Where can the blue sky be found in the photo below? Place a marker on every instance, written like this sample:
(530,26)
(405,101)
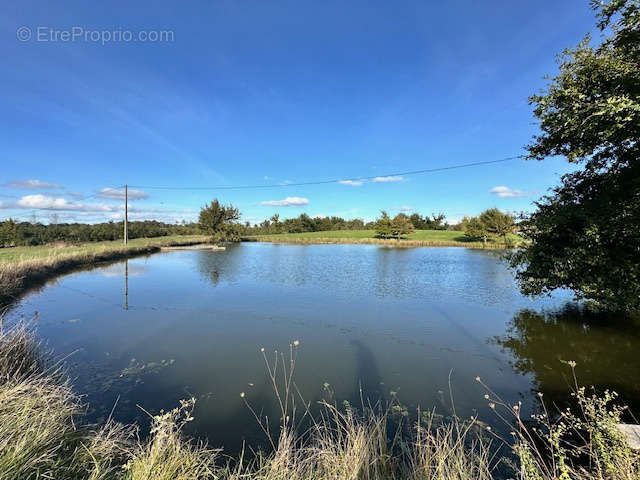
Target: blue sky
(272,92)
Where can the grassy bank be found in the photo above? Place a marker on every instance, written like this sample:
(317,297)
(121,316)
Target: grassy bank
(419,238)
(43,436)
(24,267)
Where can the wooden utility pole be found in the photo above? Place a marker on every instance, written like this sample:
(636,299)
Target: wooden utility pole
(126,213)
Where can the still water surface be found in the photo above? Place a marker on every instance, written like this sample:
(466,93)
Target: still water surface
(150,331)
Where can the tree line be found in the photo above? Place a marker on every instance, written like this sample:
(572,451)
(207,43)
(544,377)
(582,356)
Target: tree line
(15,234)
(304,223)
(222,222)
(491,223)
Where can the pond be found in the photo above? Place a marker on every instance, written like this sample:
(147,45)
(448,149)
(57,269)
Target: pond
(420,322)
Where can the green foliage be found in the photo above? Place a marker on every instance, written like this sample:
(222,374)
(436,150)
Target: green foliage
(491,222)
(383,225)
(306,224)
(475,228)
(16,234)
(302,224)
(386,227)
(401,225)
(497,223)
(436,222)
(585,235)
(220,221)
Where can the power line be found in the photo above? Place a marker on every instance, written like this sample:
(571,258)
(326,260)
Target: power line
(324,182)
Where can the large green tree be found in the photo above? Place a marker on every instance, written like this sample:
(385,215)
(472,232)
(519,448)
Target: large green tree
(220,221)
(383,226)
(475,228)
(497,223)
(401,225)
(585,235)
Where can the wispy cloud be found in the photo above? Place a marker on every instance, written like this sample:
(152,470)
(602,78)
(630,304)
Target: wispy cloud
(287,202)
(506,192)
(118,194)
(75,195)
(391,178)
(32,184)
(351,183)
(402,208)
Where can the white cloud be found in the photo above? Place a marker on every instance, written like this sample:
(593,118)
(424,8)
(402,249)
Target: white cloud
(391,178)
(287,202)
(42,201)
(45,202)
(506,192)
(118,194)
(34,184)
(351,183)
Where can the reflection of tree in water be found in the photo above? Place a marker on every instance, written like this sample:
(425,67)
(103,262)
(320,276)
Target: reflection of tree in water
(605,347)
(213,265)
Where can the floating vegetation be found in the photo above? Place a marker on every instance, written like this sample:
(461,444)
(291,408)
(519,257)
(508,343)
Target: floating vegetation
(137,368)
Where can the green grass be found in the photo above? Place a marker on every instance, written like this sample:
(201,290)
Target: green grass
(18,254)
(417,238)
(24,267)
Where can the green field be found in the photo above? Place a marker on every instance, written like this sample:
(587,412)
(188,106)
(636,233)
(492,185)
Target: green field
(417,238)
(38,252)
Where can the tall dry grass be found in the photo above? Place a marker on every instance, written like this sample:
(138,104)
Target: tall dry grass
(40,436)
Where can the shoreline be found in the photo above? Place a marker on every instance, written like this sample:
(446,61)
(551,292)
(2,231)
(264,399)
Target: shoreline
(18,277)
(402,243)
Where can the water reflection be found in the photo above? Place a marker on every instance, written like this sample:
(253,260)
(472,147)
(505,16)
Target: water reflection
(133,269)
(604,346)
(368,379)
(213,263)
(374,318)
